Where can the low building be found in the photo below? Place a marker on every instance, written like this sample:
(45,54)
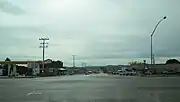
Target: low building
(51,67)
(115,68)
(1,70)
(93,69)
(156,68)
(35,67)
(76,70)
(61,71)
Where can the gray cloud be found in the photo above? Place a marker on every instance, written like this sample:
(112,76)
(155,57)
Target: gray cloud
(20,36)
(113,30)
(8,7)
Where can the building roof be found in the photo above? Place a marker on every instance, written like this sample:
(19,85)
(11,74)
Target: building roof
(48,61)
(19,62)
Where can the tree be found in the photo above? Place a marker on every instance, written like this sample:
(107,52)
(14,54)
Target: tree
(172,61)
(135,62)
(5,67)
(7,59)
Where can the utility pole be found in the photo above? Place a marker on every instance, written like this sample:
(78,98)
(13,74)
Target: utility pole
(153,59)
(43,45)
(74,60)
(83,64)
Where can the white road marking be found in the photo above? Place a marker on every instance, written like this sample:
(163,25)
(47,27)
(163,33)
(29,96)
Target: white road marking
(34,93)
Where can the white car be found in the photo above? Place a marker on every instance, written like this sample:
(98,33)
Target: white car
(120,72)
(127,73)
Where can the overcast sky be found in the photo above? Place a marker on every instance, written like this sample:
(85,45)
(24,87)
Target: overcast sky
(98,32)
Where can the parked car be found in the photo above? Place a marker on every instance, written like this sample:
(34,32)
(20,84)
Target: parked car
(126,73)
(121,72)
(114,72)
(71,73)
(148,73)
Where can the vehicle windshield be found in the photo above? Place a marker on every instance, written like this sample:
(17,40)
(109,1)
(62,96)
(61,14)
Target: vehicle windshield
(89,51)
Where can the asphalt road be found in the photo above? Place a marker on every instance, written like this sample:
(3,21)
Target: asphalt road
(91,88)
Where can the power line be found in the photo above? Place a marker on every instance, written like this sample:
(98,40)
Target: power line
(43,45)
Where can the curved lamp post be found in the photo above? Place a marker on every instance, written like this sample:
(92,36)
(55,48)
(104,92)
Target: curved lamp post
(153,34)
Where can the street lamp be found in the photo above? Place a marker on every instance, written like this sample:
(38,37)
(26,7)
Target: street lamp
(74,64)
(153,34)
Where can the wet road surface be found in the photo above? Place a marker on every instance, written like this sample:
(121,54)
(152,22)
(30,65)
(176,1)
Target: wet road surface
(91,88)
